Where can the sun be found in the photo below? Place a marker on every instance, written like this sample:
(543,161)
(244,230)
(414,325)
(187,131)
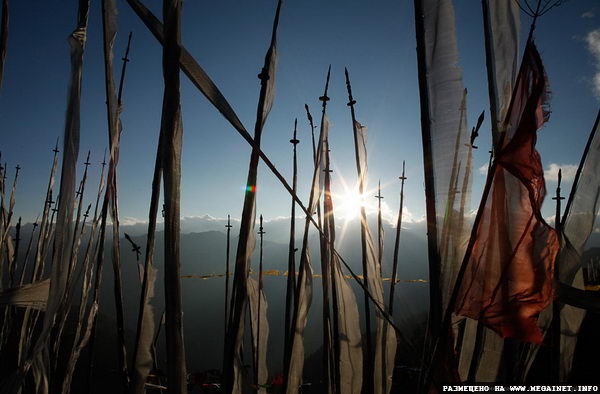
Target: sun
(347,205)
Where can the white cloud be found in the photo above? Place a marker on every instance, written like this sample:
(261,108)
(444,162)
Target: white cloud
(588,14)
(568,172)
(483,169)
(550,220)
(131,221)
(593,45)
(407,218)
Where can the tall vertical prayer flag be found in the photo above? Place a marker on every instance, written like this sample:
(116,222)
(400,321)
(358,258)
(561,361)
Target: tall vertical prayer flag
(233,364)
(303,296)
(509,272)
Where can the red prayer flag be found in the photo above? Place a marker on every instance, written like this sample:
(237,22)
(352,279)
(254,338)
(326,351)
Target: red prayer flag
(509,274)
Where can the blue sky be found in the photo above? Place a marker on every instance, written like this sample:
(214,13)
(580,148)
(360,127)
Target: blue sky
(375,40)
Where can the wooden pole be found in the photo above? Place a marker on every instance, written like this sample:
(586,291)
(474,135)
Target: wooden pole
(329,229)
(556,305)
(226,315)
(261,233)
(235,327)
(368,364)
(435,295)
(397,242)
(291,271)
(379,197)
(172,130)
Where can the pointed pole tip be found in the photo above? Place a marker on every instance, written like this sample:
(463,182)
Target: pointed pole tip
(559,176)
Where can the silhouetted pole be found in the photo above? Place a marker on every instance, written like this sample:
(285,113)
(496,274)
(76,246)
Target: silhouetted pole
(397,242)
(379,197)
(368,363)
(261,233)
(556,326)
(228,226)
(291,271)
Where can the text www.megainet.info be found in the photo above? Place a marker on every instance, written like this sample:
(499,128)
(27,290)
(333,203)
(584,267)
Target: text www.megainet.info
(517,388)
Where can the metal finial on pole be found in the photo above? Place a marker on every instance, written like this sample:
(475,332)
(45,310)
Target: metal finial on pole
(55,150)
(134,247)
(558,198)
(123,68)
(85,215)
(379,197)
(55,209)
(312,131)
(324,98)
(475,130)
(351,100)
(294,141)
(49,200)
(103,159)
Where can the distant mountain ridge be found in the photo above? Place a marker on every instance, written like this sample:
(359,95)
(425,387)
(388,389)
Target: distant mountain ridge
(204,253)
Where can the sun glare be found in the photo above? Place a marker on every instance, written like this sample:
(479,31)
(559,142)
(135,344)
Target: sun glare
(348,204)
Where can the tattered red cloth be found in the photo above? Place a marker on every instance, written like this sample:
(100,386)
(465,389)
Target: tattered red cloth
(509,274)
